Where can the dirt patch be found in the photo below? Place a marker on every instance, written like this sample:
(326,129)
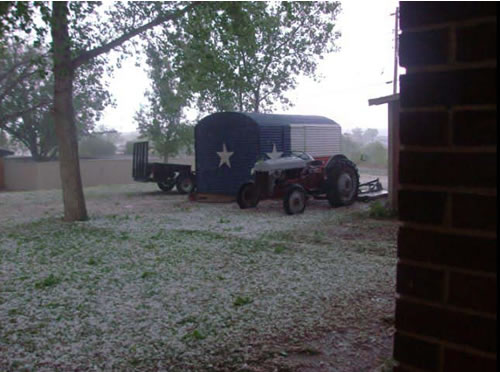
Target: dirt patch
(362,343)
(357,337)
(375,230)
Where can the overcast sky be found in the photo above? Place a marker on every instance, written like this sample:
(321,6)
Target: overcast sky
(358,72)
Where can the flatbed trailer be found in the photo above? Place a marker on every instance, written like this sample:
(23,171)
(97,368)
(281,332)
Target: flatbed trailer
(165,175)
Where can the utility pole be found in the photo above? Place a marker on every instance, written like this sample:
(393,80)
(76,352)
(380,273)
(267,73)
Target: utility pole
(396,47)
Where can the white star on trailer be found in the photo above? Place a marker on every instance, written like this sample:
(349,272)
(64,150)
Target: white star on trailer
(224,156)
(275,154)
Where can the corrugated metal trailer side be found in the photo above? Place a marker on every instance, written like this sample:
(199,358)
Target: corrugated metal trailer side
(318,140)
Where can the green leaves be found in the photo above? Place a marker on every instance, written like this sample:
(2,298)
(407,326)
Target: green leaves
(244,56)
(162,121)
(26,96)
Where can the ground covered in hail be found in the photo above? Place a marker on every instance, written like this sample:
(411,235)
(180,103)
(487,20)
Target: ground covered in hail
(155,282)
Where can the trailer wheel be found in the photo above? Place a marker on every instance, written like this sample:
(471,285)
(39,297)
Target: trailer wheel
(294,201)
(248,196)
(185,183)
(166,185)
(342,183)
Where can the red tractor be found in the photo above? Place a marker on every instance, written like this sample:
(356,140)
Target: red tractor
(298,177)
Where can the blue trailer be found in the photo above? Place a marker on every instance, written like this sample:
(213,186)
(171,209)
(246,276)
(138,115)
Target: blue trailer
(228,144)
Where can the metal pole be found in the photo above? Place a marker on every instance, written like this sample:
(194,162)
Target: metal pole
(396,45)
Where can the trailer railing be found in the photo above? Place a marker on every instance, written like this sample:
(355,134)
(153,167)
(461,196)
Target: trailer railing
(140,161)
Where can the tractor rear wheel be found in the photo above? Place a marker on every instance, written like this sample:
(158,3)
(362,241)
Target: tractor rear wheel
(185,183)
(342,183)
(248,196)
(294,201)
(166,185)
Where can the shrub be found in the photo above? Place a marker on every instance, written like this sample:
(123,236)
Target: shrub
(376,153)
(380,210)
(129,147)
(96,146)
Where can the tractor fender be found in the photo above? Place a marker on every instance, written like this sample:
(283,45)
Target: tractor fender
(333,159)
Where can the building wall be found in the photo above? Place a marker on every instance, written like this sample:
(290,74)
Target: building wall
(447,268)
(22,174)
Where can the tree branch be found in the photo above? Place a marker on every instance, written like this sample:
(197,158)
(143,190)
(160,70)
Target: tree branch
(88,55)
(14,115)
(271,54)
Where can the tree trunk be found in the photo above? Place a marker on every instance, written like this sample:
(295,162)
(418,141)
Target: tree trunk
(35,155)
(256,103)
(64,119)
(165,153)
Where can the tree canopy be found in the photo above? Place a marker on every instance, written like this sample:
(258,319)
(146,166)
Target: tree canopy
(26,97)
(162,119)
(245,56)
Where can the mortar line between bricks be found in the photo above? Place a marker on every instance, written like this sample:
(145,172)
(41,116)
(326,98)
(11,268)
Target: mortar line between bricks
(410,368)
(455,190)
(450,129)
(452,56)
(450,149)
(446,284)
(454,231)
(474,108)
(434,108)
(448,211)
(437,26)
(441,267)
(449,345)
(443,108)
(452,67)
(447,307)
(441,358)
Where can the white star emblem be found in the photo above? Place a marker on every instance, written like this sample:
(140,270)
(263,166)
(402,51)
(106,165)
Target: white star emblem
(224,156)
(275,154)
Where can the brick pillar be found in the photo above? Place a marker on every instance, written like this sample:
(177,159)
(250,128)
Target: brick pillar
(447,272)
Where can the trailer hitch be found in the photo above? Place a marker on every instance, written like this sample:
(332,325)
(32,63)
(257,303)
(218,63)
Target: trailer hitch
(371,190)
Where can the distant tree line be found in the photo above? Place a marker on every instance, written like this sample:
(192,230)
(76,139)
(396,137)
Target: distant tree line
(363,147)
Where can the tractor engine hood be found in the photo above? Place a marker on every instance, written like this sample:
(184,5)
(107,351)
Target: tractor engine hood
(289,162)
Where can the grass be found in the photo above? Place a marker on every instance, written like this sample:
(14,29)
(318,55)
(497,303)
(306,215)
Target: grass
(49,281)
(380,210)
(147,274)
(139,289)
(242,301)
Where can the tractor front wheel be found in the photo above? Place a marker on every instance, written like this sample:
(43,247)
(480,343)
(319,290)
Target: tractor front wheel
(166,185)
(343,183)
(248,196)
(294,201)
(185,183)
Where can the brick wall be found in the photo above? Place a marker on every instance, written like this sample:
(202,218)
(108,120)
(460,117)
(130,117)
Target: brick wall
(447,269)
